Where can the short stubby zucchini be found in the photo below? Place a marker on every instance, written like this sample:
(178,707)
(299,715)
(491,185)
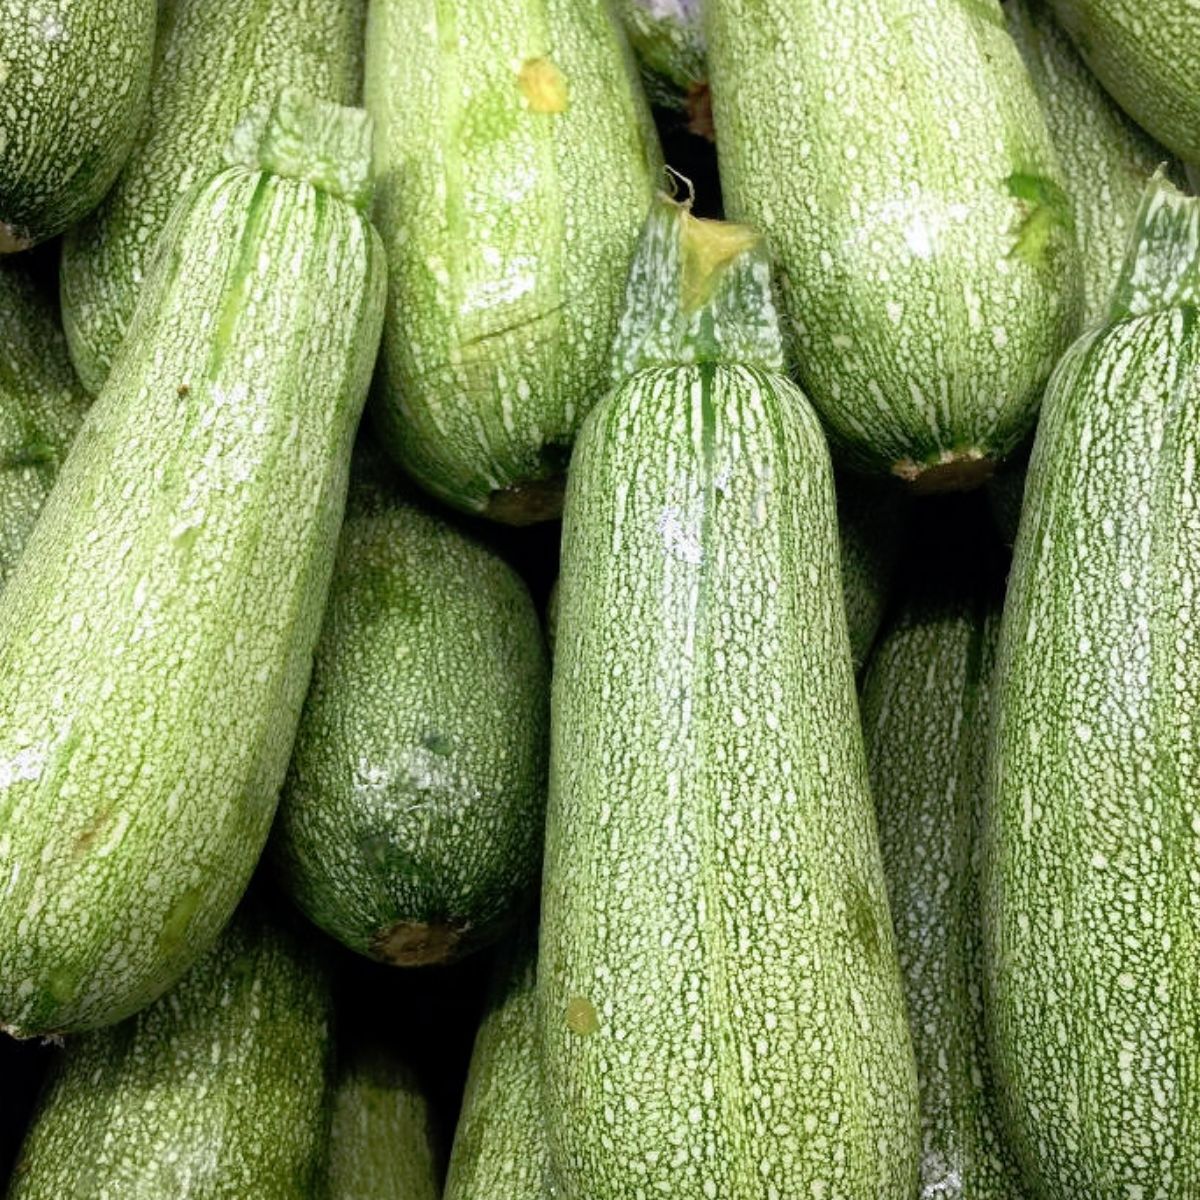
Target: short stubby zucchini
(410,825)
(1147,55)
(1091,890)
(215,60)
(516,160)
(74,75)
(156,638)
(720,1003)
(215,1092)
(925,712)
(41,402)
(913,199)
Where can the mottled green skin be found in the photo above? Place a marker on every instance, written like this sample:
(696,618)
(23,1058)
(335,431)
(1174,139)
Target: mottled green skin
(1147,55)
(913,200)
(668,40)
(73,81)
(215,1092)
(156,637)
(1106,159)
(500,1150)
(720,1005)
(410,826)
(509,233)
(214,60)
(925,711)
(871,524)
(381,1141)
(41,405)
(1090,883)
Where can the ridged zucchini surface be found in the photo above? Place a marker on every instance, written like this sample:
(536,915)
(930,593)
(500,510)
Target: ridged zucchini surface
(41,403)
(913,199)
(73,81)
(217,1091)
(215,60)
(720,1004)
(156,637)
(410,825)
(1090,884)
(925,711)
(500,1147)
(516,160)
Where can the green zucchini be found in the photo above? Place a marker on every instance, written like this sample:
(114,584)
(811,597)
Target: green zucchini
(73,81)
(1146,53)
(215,60)
(913,198)
(1106,158)
(720,1003)
(516,160)
(1090,887)
(156,637)
(667,38)
(381,1142)
(410,825)
(41,404)
(216,1092)
(925,711)
(500,1145)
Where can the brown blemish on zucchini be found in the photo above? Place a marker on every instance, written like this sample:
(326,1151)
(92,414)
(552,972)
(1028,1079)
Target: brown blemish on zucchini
(951,471)
(528,503)
(12,240)
(417,943)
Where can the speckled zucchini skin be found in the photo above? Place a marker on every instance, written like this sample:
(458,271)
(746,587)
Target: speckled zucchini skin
(41,404)
(1106,158)
(156,637)
(925,713)
(667,38)
(720,1005)
(381,1140)
(516,161)
(410,825)
(500,1145)
(1147,55)
(216,1092)
(1090,884)
(215,59)
(913,199)
(73,81)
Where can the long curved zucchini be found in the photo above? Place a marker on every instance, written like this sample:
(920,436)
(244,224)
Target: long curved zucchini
(925,712)
(74,75)
(1090,882)
(156,637)
(912,195)
(720,1002)
(215,1092)
(500,1147)
(1106,159)
(516,160)
(410,825)
(215,60)
(1147,55)
(41,404)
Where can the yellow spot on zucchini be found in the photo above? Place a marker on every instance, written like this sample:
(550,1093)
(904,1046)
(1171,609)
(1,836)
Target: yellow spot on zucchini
(581,1016)
(544,86)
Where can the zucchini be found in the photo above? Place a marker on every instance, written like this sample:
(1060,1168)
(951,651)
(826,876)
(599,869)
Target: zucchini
(516,159)
(1106,158)
(925,711)
(215,1092)
(73,82)
(381,1140)
(1146,53)
(500,1145)
(667,38)
(157,635)
(1089,875)
(719,996)
(410,825)
(927,264)
(41,403)
(215,60)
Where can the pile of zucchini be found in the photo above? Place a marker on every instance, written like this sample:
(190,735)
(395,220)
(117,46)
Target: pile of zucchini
(599,600)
